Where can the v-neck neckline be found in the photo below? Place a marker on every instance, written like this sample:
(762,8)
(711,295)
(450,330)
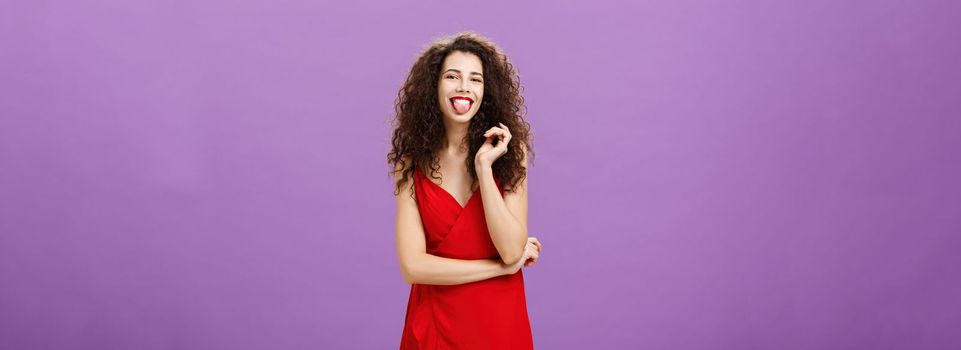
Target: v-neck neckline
(469,198)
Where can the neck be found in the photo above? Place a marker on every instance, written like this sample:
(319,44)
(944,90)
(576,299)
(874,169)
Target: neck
(455,137)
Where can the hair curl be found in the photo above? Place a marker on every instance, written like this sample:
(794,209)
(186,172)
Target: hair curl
(418,125)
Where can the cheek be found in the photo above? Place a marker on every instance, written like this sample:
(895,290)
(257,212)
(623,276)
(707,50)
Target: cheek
(446,89)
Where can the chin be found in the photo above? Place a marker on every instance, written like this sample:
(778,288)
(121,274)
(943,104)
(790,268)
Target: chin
(457,118)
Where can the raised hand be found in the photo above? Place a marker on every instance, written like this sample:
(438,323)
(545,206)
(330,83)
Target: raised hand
(488,153)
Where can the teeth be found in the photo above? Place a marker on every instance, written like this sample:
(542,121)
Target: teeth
(461,102)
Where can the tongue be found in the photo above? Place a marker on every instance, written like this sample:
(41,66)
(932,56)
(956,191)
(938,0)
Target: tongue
(462,106)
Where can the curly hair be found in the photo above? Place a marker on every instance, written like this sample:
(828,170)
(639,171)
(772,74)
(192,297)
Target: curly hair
(418,124)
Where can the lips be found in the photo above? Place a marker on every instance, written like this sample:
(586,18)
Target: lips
(461,104)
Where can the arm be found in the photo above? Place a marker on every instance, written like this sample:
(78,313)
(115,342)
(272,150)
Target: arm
(417,266)
(506,215)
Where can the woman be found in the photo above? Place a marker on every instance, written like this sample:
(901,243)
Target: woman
(460,156)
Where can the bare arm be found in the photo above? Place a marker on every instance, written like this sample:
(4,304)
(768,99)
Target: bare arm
(419,267)
(506,215)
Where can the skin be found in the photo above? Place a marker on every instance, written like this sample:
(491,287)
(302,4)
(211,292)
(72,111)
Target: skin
(462,75)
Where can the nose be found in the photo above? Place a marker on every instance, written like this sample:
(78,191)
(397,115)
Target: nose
(463,85)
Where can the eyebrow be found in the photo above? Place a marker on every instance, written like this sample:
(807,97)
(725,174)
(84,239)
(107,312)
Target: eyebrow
(452,69)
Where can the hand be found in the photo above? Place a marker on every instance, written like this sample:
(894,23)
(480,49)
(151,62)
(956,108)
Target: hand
(537,244)
(488,153)
(529,257)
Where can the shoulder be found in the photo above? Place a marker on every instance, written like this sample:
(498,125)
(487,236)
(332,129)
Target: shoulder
(404,175)
(524,156)
(523,172)
(401,166)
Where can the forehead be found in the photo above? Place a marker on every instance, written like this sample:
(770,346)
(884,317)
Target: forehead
(463,61)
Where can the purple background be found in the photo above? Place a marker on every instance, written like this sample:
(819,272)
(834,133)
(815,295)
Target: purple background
(709,175)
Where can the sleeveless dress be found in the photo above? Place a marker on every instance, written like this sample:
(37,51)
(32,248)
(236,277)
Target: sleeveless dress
(486,314)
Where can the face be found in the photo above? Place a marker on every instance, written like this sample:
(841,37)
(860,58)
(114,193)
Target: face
(461,86)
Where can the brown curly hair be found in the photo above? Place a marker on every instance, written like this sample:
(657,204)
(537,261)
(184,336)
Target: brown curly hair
(418,124)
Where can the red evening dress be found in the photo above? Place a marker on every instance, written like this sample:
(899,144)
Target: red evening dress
(487,314)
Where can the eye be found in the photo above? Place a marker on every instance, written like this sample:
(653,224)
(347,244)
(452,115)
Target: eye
(478,80)
(451,77)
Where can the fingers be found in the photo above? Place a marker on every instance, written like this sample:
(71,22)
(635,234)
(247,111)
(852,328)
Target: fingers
(532,259)
(488,141)
(502,131)
(507,134)
(495,131)
(535,242)
(533,248)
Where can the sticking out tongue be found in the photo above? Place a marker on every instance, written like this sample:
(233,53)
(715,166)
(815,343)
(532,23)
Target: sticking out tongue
(461,105)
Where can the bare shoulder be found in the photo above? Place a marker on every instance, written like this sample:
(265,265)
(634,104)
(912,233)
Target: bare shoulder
(398,172)
(408,226)
(522,184)
(401,165)
(516,200)
(405,195)
(524,156)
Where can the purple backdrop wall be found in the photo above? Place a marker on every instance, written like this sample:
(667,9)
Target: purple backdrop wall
(709,175)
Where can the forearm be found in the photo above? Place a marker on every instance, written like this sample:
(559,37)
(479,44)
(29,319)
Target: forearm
(507,233)
(432,269)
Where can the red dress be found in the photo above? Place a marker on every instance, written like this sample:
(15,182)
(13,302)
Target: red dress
(487,314)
